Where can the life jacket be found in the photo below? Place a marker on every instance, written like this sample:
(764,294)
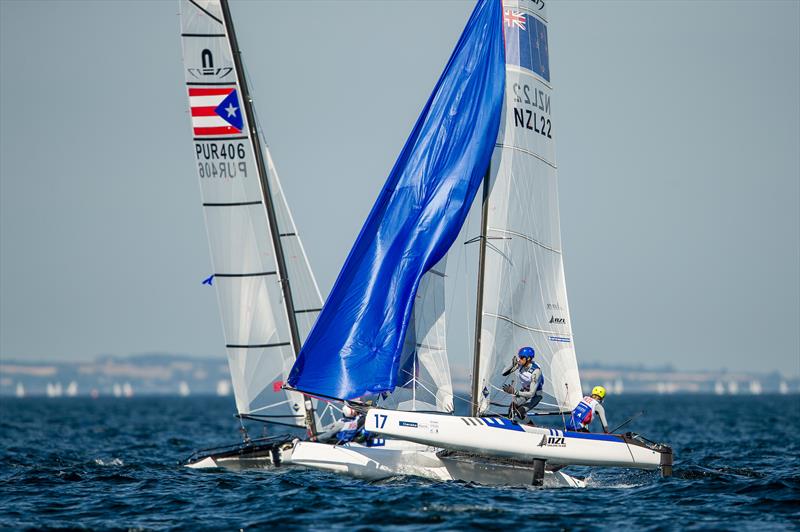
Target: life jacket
(349,430)
(582,415)
(526,376)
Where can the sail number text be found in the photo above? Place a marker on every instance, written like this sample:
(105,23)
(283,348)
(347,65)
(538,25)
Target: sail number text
(533,109)
(221,159)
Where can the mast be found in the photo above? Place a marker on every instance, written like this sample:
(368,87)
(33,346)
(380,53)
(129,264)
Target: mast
(280,259)
(476,357)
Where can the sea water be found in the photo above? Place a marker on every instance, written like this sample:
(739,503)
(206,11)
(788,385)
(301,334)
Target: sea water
(113,464)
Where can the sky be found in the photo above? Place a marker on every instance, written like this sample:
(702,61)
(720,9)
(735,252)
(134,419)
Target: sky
(677,141)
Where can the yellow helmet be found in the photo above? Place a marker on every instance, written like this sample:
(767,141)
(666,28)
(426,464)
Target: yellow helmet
(599,391)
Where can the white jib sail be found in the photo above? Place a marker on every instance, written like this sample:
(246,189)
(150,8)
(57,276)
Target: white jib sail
(525,297)
(423,380)
(305,291)
(254,316)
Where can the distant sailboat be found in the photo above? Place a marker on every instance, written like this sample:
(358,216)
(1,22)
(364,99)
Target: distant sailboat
(20,390)
(183,389)
(72,389)
(223,388)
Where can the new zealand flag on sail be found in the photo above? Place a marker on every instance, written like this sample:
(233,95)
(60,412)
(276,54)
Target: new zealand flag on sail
(526,42)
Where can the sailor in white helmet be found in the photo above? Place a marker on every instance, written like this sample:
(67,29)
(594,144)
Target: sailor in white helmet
(583,414)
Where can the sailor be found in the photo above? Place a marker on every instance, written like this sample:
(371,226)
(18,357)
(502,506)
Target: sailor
(584,413)
(352,425)
(348,428)
(531,381)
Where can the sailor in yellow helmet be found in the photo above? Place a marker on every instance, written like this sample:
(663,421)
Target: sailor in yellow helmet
(585,412)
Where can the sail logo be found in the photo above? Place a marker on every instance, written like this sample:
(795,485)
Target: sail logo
(208,69)
(216,111)
(557,321)
(526,43)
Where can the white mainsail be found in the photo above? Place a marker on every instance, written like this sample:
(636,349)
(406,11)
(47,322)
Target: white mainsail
(255,313)
(524,299)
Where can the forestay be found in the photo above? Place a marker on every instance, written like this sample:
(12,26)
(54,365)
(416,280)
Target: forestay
(251,303)
(524,301)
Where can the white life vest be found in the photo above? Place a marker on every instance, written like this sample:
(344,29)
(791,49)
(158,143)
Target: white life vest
(526,377)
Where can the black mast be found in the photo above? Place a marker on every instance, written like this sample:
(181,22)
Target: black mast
(267,196)
(476,360)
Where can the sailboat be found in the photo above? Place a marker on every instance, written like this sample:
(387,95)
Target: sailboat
(488,122)
(267,295)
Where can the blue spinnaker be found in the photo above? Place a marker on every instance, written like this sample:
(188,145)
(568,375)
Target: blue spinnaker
(355,346)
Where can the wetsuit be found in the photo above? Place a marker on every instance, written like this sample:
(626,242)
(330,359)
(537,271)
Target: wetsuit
(584,413)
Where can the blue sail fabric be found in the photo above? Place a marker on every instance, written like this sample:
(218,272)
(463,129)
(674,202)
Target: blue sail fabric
(355,346)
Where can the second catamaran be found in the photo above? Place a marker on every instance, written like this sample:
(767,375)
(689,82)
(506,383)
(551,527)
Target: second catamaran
(268,298)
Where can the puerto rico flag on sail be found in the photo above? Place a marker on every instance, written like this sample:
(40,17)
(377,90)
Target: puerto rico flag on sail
(216,111)
(526,42)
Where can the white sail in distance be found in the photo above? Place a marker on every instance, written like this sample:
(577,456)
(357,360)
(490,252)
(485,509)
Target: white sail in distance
(524,298)
(252,305)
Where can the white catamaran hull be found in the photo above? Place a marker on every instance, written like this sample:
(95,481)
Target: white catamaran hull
(390,458)
(254,455)
(500,437)
(397,457)
(393,458)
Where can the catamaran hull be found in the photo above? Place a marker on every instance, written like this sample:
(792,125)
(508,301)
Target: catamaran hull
(500,437)
(371,463)
(397,458)
(244,456)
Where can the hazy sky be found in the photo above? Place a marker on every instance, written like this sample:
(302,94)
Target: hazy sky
(677,130)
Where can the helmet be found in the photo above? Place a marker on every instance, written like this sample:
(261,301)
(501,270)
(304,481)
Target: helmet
(526,352)
(348,412)
(599,391)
